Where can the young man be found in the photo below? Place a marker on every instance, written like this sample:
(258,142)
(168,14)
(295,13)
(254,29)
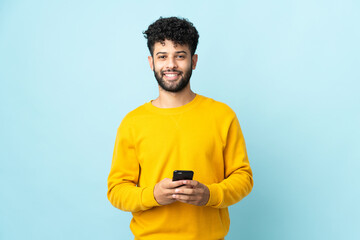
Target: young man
(179,130)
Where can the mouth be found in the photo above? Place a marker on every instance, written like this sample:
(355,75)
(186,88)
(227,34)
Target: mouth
(171,76)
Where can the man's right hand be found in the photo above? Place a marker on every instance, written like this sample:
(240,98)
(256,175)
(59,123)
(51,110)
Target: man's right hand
(164,190)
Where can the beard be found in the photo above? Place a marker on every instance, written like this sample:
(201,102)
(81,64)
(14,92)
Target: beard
(173,86)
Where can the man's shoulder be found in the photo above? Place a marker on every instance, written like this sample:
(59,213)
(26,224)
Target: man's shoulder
(217,107)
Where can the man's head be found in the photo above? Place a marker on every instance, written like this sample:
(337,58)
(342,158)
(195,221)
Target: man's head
(178,30)
(172,43)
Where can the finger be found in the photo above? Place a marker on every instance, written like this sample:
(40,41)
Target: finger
(185,191)
(184,187)
(192,183)
(190,199)
(193,202)
(176,184)
(183,198)
(168,192)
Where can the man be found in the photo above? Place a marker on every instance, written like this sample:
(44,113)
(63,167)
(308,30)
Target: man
(179,130)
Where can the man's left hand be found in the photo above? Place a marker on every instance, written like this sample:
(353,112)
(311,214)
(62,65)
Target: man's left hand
(193,192)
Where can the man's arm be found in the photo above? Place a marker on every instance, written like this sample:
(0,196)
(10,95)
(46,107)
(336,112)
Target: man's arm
(123,192)
(238,180)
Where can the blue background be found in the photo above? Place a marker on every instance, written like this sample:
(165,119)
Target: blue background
(71,70)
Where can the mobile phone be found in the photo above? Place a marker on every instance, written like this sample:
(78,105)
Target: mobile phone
(182,175)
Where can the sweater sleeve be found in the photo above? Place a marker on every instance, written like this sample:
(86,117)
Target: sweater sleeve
(238,180)
(123,192)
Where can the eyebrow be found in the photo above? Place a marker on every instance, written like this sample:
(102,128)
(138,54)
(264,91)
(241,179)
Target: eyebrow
(175,52)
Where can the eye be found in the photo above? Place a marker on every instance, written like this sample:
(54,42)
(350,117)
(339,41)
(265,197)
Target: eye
(161,57)
(181,56)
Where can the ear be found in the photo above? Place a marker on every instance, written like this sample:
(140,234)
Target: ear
(151,62)
(194,60)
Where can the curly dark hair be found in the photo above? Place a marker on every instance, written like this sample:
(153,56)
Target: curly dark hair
(179,30)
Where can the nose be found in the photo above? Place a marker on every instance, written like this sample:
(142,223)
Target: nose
(171,63)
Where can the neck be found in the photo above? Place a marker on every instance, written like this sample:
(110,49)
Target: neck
(172,100)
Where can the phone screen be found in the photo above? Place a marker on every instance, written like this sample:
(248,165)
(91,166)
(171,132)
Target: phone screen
(182,175)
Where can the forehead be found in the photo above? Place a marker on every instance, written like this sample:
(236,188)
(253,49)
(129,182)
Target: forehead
(169,46)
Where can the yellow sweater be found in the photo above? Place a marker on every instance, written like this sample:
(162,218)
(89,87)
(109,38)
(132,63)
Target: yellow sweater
(204,136)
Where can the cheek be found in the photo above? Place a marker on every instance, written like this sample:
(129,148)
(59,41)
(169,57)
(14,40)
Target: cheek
(158,66)
(190,66)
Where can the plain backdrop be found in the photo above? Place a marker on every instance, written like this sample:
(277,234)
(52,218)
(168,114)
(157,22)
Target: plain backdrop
(71,70)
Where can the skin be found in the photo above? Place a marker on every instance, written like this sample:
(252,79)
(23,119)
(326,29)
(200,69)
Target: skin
(175,59)
(166,192)
(168,56)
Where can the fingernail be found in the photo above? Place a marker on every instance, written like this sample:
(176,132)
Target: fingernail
(177,190)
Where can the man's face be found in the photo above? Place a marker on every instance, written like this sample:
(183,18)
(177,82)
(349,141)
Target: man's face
(172,65)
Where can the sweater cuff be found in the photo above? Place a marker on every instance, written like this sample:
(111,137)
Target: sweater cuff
(148,199)
(215,198)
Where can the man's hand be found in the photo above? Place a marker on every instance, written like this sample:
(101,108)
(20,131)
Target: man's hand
(164,191)
(194,193)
